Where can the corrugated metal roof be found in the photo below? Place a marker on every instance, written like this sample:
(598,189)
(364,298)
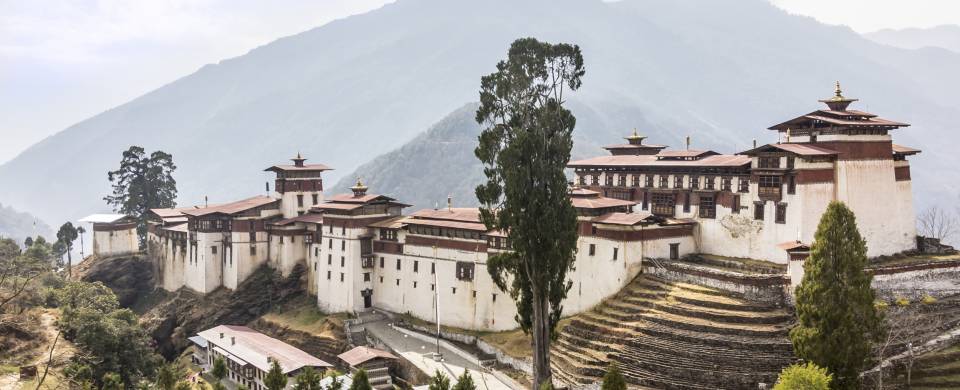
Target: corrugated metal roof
(466,214)
(628,219)
(797,148)
(257,348)
(104,218)
(363,354)
(305,167)
(599,202)
(232,207)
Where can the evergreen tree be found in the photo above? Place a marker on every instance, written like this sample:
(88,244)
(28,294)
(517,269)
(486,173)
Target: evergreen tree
(360,381)
(838,322)
(28,242)
(335,383)
(142,183)
(465,382)
(613,379)
(275,379)
(67,235)
(308,379)
(219,369)
(439,381)
(525,149)
(167,377)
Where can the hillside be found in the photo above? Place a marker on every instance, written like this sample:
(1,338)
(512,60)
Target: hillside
(366,85)
(945,37)
(20,225)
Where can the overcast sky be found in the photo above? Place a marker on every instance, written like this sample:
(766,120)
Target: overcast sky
(62,61)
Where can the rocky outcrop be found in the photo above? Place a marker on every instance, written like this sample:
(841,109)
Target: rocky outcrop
(185,313)
(130,277)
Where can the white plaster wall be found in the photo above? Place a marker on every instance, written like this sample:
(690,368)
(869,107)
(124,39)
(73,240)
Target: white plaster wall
(115,242)
(205,274)
(288,202)
(869,188)
(795,271)
(334,295)
(173,265)
(284,256)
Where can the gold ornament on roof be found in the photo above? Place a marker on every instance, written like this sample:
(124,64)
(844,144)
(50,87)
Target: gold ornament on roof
(837,93)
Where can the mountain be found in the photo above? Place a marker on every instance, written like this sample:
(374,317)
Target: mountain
(20,225)
(351,90)
(945,36)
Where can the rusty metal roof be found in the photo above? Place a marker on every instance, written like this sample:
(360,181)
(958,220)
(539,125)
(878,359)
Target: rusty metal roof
(392,223)
(465,214)
(685,153)
(232,207)
(599,202)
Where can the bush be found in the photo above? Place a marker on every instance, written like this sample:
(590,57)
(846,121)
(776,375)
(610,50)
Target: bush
(902,302)
(803,377)
(613,379)
(928,300)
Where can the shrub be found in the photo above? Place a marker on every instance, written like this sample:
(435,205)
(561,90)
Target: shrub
(803,377)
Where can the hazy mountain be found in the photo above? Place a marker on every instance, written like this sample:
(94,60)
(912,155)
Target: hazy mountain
(945,37)
(20,225)
(351,90)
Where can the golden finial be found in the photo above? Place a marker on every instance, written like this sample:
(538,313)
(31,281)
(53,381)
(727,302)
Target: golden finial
(299,156)
(359,183)
(838,94)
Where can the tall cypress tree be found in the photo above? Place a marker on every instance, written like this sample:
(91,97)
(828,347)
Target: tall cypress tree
(838,322)
(525,148)
(142,183)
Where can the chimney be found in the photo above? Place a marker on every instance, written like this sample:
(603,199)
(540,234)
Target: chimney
(221,335)
(206,201)
(449,202)
(754,143)
(233,340)
(688,142)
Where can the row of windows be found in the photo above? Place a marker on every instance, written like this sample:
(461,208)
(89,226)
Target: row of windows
(315,199)
(780,214)
(445,232)
(693,182)
(674,251)
(464,271)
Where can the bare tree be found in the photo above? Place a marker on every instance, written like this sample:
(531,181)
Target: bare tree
(905,325)
(938,223)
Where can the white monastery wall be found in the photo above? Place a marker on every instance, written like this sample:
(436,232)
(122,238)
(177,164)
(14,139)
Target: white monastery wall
(869,188)
(115,242)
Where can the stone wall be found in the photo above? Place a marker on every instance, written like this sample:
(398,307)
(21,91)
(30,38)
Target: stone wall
(913,281)
(764,288)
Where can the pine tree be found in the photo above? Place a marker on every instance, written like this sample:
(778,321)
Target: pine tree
(465,382)
(142,183)
(837,320)
(439,381)
(525,149)
(275,379)
(613,379)
(167,376)
(360,381)
(67,235)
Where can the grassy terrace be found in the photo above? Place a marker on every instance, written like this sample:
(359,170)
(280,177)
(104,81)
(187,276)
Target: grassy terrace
(909,259)
(737,264)
(302,314)
(514,343)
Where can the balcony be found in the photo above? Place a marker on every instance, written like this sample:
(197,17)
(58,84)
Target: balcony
(366,262)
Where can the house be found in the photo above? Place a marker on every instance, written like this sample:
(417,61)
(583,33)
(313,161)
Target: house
(375,362)
(113,234)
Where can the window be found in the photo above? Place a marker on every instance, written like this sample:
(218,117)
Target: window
(316,252)
(331,228)
(316,198)
(769,162)
(758,211)
(293,239)
(329,259)
(622,180)
(686,202)
(726,184)
(381,262)
(664,181)
(474,293)
(678,181)
(388,234)
(791,184)
(615,250)
(593,249)
(708,207)
(494,297)
(594,179)
(281,239)
(582,180)
(454,289)
(343,230)
(366,276)
(314,266)
(694,182)
(645,204)
(341,276)
(330,244)
(663,204)
(735,207)
(465,270)
(343,245)
(433,287)
(299,200)
(608,178)
(674,251)
(414,284)
(381,279)
(398,264)
(416,266)
(253,250)
(328,275)
(743,184)
(790,162)
(343,261)
(398,282)
(648,180)
(636,180)
(710,183)
(213,249)
(781,216)
(769,185)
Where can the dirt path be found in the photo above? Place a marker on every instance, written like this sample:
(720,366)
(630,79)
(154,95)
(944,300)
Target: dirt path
(62,353)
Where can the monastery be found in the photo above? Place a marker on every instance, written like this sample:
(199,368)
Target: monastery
(642,202)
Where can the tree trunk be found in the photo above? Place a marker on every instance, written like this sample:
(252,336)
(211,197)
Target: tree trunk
(69,263)
(541,339)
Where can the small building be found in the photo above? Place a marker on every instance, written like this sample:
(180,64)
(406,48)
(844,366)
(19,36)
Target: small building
(113,234)
(250,354)
(375,362)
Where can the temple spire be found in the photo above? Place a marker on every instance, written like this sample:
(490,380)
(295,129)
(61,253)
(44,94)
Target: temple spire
(298,161)
(635,138)
(359,189)
(838,102)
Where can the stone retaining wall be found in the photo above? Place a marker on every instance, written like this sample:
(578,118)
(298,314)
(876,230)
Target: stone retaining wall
(914,281)
(757,287)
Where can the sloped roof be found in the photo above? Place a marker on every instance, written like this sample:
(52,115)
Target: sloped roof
(627,219)
(599,202)
(720,160)
(685,153)
(256,348)
(793,245)
(305,218)
(900,149)
(466,214)
(232,207)
(305,167)
(104,218)
(392,223)
(848,118)
(801,149)
(363,354)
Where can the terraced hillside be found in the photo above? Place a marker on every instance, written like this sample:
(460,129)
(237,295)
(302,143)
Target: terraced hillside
(938,370)
(669,335)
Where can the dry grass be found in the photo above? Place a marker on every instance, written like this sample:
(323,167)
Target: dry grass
(303,315)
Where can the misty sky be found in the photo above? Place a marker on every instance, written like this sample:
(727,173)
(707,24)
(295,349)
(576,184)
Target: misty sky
(62,61)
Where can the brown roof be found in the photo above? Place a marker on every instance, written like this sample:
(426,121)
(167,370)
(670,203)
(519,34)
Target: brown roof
(350,198)
(900,149)
(634,146)
(305,218)
(257,348)
(801,149)
(721,160)
(360,355)
(305,167)
(685,153)
(792,245)
(583,192)
(392,223)
(465,214)
(232,207)
(447,224)
(337,206)
(628,219)
(850,118)
(599,202)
